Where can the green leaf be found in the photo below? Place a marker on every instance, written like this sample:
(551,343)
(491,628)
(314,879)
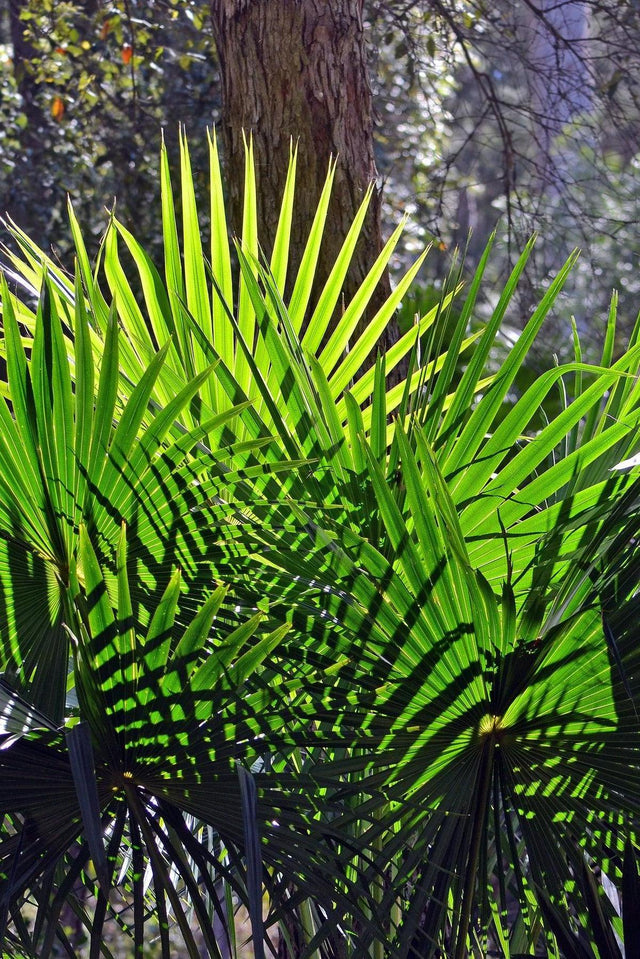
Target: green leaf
(157,643)
(78,740)
(630,900)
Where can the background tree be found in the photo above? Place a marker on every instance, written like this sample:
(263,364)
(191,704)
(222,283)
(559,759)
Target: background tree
(298,72)
(485,148)
(84,104)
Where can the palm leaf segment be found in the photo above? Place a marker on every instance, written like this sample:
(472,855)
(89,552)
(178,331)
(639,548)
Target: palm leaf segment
(496,738)
(166,720)
(480,645)
(65,463)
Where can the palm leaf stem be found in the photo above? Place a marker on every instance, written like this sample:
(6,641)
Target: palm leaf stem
(477,835)
(161,878)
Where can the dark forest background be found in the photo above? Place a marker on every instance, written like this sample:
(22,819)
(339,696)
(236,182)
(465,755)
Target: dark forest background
(518,117)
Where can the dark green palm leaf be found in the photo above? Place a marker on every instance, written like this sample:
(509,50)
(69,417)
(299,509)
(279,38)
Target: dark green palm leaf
(169,719)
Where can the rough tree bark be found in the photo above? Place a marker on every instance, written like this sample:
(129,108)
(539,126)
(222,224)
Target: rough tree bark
(298,69)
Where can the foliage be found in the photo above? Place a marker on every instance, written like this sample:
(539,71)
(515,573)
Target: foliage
(98,83)
(512,118)
(607,240)
(408,612)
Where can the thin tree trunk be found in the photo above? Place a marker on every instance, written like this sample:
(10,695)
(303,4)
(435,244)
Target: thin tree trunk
(561,87)
(297,70)
(22,54)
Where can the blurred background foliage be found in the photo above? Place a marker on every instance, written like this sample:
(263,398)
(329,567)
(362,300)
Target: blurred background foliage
(517,117)
(87,88)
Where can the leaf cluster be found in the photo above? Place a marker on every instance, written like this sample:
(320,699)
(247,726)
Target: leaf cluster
(272,626)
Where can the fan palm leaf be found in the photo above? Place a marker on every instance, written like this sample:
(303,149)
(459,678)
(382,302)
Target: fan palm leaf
(68,458)
(164,722)
(453,572)
(488,742)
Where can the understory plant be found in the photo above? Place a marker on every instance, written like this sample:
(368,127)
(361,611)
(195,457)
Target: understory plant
(350,654)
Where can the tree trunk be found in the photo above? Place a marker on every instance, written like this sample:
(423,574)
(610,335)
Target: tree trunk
(297,70)
(561,87)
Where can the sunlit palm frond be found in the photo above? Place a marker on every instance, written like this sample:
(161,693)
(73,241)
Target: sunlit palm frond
(423,641)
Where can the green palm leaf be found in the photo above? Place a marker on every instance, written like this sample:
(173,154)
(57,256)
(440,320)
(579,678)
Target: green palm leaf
(68,458)
(424,633)
(478,731)
(169,720)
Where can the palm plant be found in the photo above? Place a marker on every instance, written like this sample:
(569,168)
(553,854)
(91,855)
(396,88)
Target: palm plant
(434,586)
(146,663)
(160,747)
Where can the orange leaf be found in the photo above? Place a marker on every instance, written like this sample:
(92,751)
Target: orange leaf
(127,52)
(105,29)
(61,51)
(57,108)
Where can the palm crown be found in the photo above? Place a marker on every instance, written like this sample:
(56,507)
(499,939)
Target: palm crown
(271,622)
